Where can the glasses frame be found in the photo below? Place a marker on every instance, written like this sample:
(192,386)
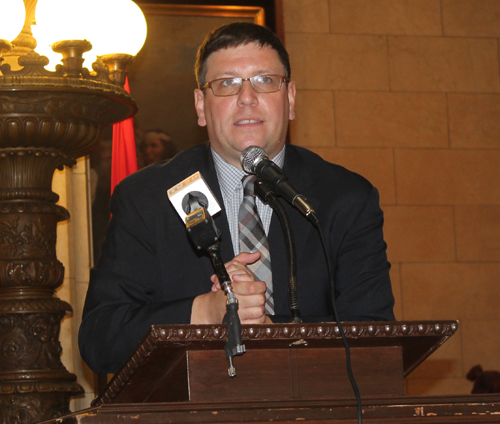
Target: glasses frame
(282,79)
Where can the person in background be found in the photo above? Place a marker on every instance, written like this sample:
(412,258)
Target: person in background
(157,145)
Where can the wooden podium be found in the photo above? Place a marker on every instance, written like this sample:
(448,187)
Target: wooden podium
(290,372)
(180,363)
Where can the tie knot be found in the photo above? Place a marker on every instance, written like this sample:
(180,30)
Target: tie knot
(248,182)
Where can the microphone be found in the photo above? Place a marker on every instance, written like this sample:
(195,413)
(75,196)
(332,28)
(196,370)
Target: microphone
(254,160)
(205,235)
(199,223)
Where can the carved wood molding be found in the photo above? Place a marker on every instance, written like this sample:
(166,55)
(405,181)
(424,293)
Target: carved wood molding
(61,382)
(49,305)
(17,408)
(47,274)
(257,13)
(322,330)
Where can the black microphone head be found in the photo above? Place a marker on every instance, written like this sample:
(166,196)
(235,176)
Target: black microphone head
(250,157)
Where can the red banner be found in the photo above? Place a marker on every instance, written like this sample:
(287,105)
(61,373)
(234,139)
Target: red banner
(124,157)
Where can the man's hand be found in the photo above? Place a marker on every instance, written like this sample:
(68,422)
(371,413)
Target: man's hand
(209,308)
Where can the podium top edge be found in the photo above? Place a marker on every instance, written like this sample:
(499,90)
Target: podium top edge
(378,329)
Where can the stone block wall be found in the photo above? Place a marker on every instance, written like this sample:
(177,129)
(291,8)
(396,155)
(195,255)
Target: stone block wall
(407,93)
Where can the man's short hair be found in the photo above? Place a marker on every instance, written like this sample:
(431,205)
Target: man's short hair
(234,35)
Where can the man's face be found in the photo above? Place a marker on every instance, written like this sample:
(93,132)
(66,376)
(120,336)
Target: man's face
(247,118)
(152,148)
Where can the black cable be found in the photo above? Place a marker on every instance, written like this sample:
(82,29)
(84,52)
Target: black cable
(266,194)
(350,374)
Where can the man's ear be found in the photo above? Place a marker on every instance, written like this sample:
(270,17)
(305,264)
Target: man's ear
(199,105)
(291,100)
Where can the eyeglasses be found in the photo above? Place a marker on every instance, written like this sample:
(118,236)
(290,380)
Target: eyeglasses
(223,87)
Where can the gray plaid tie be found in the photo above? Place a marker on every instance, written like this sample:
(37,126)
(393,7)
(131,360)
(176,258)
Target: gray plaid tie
(253,238)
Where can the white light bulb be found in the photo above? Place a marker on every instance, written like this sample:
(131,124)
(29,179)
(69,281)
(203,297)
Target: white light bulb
(59,20)
(123,31)
(13,17)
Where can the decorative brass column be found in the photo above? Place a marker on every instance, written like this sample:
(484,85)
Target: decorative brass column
(47,120)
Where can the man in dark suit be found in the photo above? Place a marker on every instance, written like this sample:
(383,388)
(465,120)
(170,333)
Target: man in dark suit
(149,272)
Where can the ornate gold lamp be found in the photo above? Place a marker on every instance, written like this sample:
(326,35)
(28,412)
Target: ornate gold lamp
(47,120)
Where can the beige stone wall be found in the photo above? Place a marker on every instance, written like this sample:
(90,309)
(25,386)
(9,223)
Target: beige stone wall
(406,92)
(73,251)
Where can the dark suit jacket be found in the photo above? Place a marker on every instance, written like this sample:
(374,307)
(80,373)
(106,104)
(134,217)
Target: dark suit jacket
(149,272)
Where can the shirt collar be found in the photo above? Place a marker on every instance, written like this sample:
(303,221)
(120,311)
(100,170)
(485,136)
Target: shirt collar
(230,177)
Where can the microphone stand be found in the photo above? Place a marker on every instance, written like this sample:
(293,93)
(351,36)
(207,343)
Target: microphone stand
(266,194)
(234,345)
(205,235)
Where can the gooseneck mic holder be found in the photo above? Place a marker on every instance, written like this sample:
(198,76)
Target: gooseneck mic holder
(266,194)
(205,236)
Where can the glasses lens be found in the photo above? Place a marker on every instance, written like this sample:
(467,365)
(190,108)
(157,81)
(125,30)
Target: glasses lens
(226,87)
(266,83)
(232,86)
